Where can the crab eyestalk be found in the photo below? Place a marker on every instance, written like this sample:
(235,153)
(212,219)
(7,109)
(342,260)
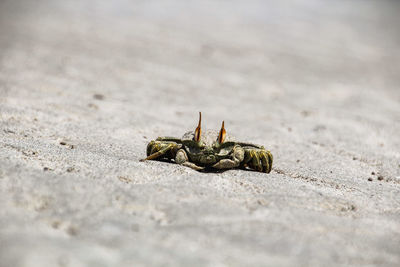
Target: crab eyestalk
(222,134)
(197,132)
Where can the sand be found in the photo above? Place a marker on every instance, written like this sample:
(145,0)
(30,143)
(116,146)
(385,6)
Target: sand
(85,85)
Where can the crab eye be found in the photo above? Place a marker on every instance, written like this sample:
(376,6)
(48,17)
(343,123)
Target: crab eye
(197,132)
(222,134)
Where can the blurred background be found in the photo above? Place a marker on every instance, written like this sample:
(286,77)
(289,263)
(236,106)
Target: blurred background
(85,85)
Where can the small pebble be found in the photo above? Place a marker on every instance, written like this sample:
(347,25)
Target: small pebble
(94,106)
(98,96)
(72,230)
(55,224)
(373,173)
(380,177)
(370,179)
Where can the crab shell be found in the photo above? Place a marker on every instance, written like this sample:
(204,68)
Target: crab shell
(208,151)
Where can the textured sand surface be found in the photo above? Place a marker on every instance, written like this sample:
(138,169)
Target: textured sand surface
(85,85)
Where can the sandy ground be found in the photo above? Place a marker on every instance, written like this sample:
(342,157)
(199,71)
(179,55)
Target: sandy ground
(84,86)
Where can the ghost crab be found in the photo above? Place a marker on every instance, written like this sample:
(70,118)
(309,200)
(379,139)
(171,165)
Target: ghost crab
(210,149)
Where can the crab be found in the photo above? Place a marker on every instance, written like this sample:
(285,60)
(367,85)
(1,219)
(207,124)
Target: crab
(210,150)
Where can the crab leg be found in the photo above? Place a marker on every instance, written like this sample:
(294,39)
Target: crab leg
(270,160)
(169,139)
(192,165)
(258,159)
(265,163)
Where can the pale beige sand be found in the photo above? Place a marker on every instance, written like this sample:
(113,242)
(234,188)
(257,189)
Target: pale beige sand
(84,85)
